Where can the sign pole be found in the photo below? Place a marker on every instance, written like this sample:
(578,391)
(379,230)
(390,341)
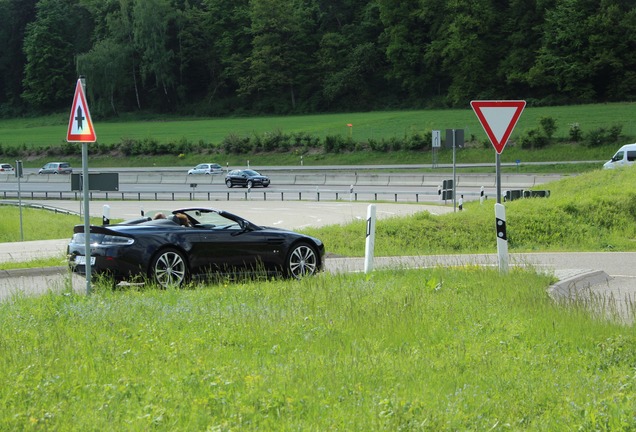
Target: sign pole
(80,129)
(87,218)
(18,174)
(498,177)
(498,118)
(454,176)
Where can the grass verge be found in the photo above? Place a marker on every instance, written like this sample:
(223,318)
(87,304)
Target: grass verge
(395,350)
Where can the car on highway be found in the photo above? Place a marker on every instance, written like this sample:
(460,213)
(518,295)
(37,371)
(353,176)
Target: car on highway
(206,168)
(193,242)
(246,178)
(6,168)
(56,168)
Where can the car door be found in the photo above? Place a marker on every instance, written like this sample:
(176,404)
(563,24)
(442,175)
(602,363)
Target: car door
(229,249)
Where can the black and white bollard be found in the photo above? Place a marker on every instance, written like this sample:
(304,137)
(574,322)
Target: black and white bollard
(106,215)
(502,238)
(370,240)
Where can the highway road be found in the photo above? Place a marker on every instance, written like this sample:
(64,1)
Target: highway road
(399,184)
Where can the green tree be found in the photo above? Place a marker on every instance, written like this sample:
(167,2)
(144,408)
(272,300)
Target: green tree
(51,44)
(352,63)
(563,60)
(14,16)
(214,42)
(281,65)
(151,21)
(411,31)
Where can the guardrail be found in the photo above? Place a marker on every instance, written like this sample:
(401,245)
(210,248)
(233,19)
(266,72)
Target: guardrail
(244,194)
(317,179)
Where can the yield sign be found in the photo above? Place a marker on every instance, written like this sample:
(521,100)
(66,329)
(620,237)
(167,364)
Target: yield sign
(80,125)
(498,119)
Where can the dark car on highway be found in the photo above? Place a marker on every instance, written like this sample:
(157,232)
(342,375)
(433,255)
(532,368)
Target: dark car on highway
(246,178)
(191,242)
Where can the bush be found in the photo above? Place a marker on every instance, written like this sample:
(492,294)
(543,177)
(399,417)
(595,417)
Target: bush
(576,134)
(602,136)
(233,144)
(548,124)
(534,139)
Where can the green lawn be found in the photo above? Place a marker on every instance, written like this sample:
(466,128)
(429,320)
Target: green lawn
(442,349)
(51,130)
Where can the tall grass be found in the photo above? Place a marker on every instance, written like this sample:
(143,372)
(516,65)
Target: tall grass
(594,211)
(395,350)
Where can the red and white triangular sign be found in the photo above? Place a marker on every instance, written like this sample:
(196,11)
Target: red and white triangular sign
(498,119)
(80,125)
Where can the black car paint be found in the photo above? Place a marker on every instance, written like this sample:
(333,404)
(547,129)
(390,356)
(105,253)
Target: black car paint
(244,248)
(244,177)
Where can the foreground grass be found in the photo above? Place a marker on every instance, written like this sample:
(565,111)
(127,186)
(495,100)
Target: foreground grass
(395,350)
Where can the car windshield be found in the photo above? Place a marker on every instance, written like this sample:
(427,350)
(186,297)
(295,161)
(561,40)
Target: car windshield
(209,218)
(251,172)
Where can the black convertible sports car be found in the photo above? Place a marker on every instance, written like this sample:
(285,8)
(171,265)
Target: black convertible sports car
(193,242)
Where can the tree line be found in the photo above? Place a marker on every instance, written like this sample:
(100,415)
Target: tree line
(233,57)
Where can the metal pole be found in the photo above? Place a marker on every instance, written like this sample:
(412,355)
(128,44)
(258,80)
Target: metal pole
(454,175)
(18,165)
(498,176)
(87,219)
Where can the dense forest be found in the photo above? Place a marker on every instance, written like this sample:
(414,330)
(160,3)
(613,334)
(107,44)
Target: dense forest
(235,57)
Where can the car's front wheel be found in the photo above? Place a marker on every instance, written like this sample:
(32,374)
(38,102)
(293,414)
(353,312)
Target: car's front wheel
(250,184)
(228,183)
(301,261)
(169,268)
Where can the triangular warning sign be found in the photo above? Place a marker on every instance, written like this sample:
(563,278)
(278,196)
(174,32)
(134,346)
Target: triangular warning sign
(80,125)
(498,119)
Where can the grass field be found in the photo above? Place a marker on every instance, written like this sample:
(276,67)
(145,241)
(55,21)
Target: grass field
(51,130)
(464,349)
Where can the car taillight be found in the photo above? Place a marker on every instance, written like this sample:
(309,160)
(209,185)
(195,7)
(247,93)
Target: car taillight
(103,239)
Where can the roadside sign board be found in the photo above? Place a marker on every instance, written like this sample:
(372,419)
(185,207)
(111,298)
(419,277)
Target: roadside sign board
(498,118)
(80,125)
(437,138)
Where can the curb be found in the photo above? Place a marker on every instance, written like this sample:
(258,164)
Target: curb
(566,287)
(40,271)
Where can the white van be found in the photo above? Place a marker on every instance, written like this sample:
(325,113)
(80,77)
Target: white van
(625,156)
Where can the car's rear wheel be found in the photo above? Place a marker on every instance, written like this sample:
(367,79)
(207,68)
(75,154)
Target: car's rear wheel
(169,268)
(228,183)
(301,261)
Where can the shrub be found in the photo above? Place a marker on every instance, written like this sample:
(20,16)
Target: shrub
(534,139)
(602,136)
(575,132)
(548,124)
(233,144)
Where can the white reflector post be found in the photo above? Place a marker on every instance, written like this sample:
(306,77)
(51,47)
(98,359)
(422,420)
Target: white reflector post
(106,215)
(370,241)
(502,237)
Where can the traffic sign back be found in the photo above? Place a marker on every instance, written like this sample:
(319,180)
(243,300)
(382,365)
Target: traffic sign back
(498,118)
